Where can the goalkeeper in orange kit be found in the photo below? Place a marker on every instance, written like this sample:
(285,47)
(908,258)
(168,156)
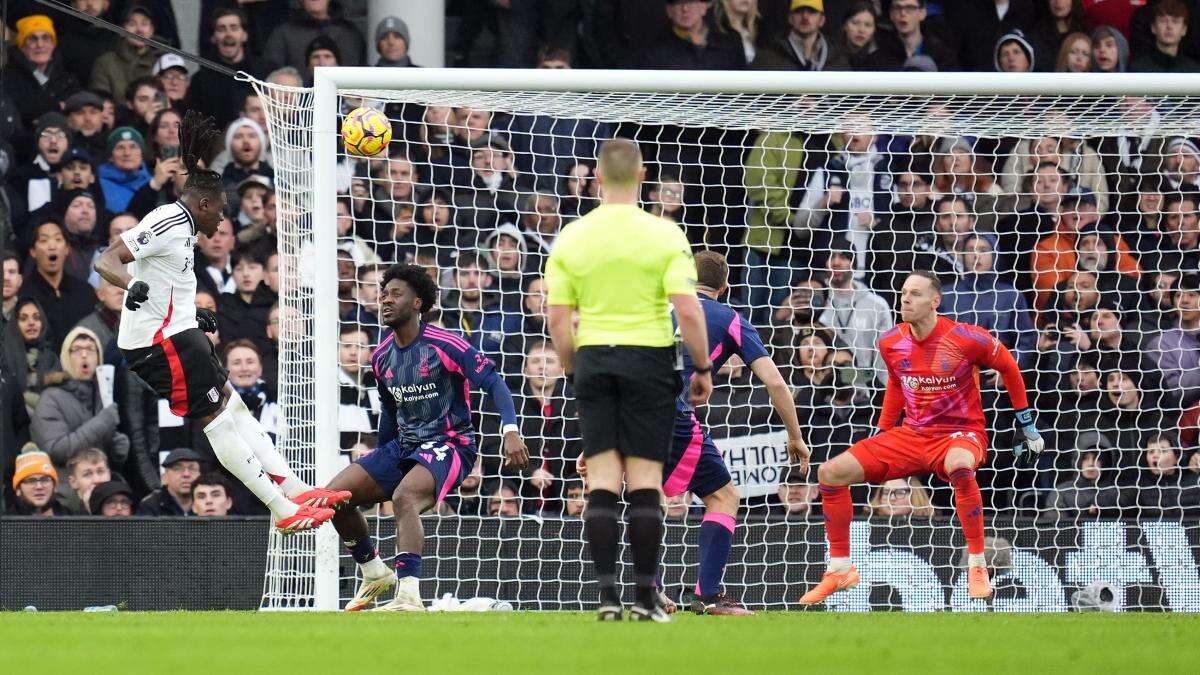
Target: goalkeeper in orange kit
(933,376)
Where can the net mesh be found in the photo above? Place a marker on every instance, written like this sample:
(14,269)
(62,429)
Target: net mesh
(1061,224)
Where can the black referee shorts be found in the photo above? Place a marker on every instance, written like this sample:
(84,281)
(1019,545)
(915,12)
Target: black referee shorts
(626,400)
(185,370)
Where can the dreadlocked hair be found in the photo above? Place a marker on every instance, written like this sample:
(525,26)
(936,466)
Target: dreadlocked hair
(198,137)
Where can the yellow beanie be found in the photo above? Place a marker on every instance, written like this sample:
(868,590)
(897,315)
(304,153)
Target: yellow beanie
(26,26)
(31,464)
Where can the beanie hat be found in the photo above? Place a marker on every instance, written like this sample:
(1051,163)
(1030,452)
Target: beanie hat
(1018,36)
(391,24)
(245,122)
(35,463)
(51,120)
(323,42)
(105,491)
(125,134)
(26,27)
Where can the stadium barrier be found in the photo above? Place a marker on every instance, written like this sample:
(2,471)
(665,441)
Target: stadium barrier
(162,564)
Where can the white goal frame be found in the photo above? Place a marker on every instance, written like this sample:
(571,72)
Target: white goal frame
(330,82)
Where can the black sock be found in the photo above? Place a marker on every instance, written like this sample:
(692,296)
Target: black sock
(645,538)
(600,526)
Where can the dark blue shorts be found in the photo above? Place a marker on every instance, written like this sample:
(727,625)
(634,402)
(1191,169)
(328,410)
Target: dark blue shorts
(449,464)
(695,464)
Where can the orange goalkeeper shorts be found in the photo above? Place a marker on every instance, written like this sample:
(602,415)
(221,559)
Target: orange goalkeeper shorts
(900,452)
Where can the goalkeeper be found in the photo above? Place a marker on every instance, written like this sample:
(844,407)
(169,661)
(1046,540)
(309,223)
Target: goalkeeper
(695,464)
(933,376)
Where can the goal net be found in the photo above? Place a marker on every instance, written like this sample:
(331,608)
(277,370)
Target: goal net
(1060,213)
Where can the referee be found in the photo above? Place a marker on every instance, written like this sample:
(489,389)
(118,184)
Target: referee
(618,266)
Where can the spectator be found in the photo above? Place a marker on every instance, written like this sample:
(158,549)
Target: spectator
(1055,256)
(34,182)
(145,97)
(1158,314)
(740,18)
(1164,489)
(831,410)
(125,171)
(979,297)
(70,413)
(247,143)
(504,502)
(1017,52)
(172,73)
(1117,348)
(1099,252)
(1169,24)
(1075,55)
(181,468)
(1180,244)
(1130,408)
(366,294)
(77,173)
(83,109)
(243,313)
(359,249)
(137,406)
(86,469)
(1081,496)
(289,41)
(773,169)
(467,500)
(36,79)
(1133,160)
(33,484)
(131,58)
(83,40)
(797,498)
(693,42)
(86,225)
(117,225)
(321,52)
(804,47)
(911,38)
(891,253)
(574,497)
(1110,50)
(391,41)
(216,94)
(795,319)
(541,221)
(37,358)
(473,309)
(104,321)
(11,285)
(549,419)
(980,24)
(938,251)
(63,298)
(491,198)
(359,411)
(504,252)
(957,170)
(1058,20)
(212,496)
(111,499)
(214,270)
(859,39)
(900,498)
(1181,164)
(1176,351)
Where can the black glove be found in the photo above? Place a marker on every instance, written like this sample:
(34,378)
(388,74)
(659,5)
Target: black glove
(206,319)
(137,293)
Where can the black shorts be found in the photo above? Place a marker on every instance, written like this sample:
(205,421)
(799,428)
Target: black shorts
(185,370)
(627,400)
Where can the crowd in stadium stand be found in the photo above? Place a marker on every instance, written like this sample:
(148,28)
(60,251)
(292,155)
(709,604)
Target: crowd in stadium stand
(1081,255)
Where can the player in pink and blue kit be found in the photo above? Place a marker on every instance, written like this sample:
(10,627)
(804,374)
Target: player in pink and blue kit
(695,464)
(426,437)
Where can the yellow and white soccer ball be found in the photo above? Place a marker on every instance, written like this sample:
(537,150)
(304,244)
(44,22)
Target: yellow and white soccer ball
(366,132)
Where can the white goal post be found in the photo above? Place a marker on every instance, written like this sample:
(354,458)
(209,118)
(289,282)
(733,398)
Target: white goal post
(1150,555)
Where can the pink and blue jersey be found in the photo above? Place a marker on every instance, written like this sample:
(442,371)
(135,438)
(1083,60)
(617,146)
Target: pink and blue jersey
(425,388)
(729,333)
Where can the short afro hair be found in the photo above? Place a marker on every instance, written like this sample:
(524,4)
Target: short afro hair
(417,280)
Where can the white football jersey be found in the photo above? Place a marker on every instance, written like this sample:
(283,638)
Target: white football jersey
(163,248)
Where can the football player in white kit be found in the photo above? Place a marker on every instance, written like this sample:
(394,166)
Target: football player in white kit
(161,337)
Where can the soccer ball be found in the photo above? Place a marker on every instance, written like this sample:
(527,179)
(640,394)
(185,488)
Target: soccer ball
(366,132)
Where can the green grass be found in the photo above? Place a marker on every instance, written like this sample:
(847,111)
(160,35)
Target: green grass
(179,643)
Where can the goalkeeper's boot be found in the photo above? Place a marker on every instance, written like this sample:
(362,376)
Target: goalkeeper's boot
(323,498)
(408,597)
(305,518)
(369,590)
(720,604)
(654,613)
(979,586)
(831,583)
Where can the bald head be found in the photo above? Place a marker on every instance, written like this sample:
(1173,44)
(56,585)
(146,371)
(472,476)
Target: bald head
(620,164)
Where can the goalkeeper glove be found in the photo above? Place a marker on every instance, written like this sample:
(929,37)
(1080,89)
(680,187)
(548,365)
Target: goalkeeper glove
(206,319)
(136,293)
(1028,450)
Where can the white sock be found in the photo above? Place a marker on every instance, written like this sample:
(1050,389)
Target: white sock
(976,560)
(375,568)
(236,456)
(255,436)
(838,564)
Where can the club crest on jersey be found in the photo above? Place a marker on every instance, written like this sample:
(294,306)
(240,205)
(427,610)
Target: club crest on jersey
(145,237)
(905,364)
(214,395)
(422,369)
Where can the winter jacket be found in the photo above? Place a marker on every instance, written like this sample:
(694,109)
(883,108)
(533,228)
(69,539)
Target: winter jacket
(220,96)
(785,53)
(289,41)
(63,307)
(774,168)
(509,285)
(69,417)
(1083,166)
(1075,498)
(79,43)
(987,302)
(120,186)
(32,97)
(484,328)
(115,69)
(891,49)
(1176,353)
(481,209)
(546,146)
(978,27)
(238,318)
(1054,260)
(859,318)
(1157,61)
(722,51)
(161,503)
(103,322)
(138,406)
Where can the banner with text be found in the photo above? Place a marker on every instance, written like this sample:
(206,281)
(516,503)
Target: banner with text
(755,462)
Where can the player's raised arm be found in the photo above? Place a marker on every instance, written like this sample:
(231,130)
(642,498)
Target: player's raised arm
(781,399)
(999,358)
(111,267)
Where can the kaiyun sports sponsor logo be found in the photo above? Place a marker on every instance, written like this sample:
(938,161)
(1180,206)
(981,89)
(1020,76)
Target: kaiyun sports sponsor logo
(929,382)
(414,392)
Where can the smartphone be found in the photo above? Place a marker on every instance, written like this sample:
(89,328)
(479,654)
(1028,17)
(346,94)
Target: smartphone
(168,152)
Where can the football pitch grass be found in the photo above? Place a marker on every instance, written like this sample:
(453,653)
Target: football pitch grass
(180,643)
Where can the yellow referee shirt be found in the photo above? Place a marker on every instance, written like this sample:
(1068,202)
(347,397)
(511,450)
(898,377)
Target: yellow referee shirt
(617,265)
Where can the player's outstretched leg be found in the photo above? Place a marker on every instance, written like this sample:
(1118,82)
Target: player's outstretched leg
(414,495)
(255,436)
(960,467)
(716,539)
(835,478)
(377,578)
(236,456)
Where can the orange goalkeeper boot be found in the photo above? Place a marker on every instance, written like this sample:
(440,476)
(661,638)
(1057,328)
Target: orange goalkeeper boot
(830,584)
(305,518)
(323,498)
(979,586)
